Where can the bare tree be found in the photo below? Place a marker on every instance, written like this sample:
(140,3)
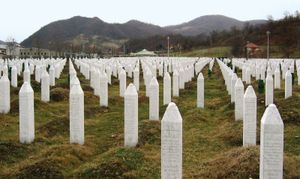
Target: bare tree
(11,46)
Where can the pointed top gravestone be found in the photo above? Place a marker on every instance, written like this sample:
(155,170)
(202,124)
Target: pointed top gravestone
(4,94)
(175,84)
(167,89)
(288,84)
(26,74)
(26,113)
(200,91)
(233,81)
(76,114)
(269,91)
(171,143)
(239,97)
(131,116)
(154,99)
(122,78)
(131,90)
(14,76)
(45,86)
(103,89)
(136,78)
(277,78)
(249,117)
(271,144)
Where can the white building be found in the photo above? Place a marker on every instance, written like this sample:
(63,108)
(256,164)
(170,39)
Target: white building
(2,50)
(6,51)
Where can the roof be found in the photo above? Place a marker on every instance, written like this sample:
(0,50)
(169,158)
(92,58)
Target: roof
(251,45)
(143,52)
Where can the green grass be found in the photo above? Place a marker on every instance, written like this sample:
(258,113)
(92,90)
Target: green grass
(206,52)
(225,51)
(212,140)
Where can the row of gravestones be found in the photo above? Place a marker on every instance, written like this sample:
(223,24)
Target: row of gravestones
(270,71)
(14,68)
(272,127)
(171,126)
(10,70)
(271,162)
(26,93)
(172,122)
(101,71)
(258,67)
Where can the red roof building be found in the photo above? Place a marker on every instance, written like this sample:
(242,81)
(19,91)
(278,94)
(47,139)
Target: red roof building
(251,45)
(252,49)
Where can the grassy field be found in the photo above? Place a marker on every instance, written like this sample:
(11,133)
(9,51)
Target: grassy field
(275,52)
(212,140)
(206,52)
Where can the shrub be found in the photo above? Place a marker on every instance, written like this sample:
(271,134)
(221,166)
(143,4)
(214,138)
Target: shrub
(209,73)
(261,86)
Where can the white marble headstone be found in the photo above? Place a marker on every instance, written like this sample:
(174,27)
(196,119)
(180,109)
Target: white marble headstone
(200,91)
(26,113)
(269,94)
(288,84)
(103,90)
(171,143)
(239,97)
(277,78)
(52,75)
(167,89)
(249,117)
(136,78)
(4,94)
(122,79)
(14,76)
(76,114)
(233,81)
(271,144)
(154,99)
(131,116)
(45,86)
(175,84)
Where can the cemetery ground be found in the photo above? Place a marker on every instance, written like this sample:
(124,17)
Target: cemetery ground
(212,139)
(225,51)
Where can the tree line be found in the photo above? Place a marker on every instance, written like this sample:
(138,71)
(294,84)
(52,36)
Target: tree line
(284,38)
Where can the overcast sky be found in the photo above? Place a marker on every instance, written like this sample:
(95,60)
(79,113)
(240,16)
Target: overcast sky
(21,18)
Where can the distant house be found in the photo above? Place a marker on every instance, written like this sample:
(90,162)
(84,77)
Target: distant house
(2,50)
(252,49)
(7,51)
(36,52)
(144,52)
(13,52)
(251,46)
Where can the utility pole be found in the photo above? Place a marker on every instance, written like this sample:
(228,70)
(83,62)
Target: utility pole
(168,46)
(268,44)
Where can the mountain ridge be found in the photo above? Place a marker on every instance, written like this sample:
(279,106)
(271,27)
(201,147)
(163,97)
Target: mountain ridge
(203,25)
(86,30)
